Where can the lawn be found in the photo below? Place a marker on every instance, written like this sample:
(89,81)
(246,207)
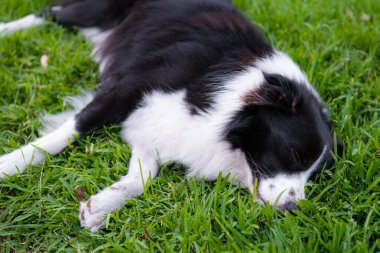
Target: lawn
(337,45)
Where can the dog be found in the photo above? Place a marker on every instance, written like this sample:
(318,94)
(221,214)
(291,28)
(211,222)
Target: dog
(193,82)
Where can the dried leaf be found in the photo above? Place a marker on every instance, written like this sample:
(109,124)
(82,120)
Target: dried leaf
(147,235)
(79,192)
(44,60)
(365,17)
(350,14)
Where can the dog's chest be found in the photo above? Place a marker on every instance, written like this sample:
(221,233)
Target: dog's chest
(165,126)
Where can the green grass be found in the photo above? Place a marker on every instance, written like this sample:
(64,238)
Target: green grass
(335,45)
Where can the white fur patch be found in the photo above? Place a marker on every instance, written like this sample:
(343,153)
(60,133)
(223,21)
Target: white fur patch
(20,24)
(281,64)
(56,8)
(289,186)
(98,39)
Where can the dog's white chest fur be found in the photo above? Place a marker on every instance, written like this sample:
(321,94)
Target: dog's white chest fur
(165,125)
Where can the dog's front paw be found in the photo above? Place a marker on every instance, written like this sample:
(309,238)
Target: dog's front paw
(91,215)
(93,212)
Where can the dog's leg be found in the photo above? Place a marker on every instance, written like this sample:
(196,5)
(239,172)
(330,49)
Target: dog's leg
(35,152)
(143,165)
(58,131)
(20,24)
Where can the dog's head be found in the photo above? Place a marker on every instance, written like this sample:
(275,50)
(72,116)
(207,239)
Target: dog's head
(285,133)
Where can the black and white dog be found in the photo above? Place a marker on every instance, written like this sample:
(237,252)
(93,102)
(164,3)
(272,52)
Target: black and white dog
(190,81)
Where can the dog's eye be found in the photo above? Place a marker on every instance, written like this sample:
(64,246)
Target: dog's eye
(296,156)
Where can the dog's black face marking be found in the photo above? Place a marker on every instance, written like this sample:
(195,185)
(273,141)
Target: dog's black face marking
(282,129)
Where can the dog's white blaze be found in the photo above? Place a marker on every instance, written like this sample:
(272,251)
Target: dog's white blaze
(20,24)
(33,153)
(289,186)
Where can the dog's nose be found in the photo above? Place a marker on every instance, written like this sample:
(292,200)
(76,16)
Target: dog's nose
(288,206)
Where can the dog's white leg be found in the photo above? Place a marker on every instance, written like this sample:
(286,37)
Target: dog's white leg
(20,24)
(59,130)
(34,153)
(143,165)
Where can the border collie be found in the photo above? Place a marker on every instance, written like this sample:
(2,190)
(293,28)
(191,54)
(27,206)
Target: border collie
(189,81)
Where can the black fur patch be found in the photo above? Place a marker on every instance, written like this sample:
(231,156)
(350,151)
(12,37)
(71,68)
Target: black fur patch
(165,45)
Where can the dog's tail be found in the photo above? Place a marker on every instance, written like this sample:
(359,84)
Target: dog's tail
(59,132)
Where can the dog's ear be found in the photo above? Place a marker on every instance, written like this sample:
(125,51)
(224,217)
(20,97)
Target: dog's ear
(277,91)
